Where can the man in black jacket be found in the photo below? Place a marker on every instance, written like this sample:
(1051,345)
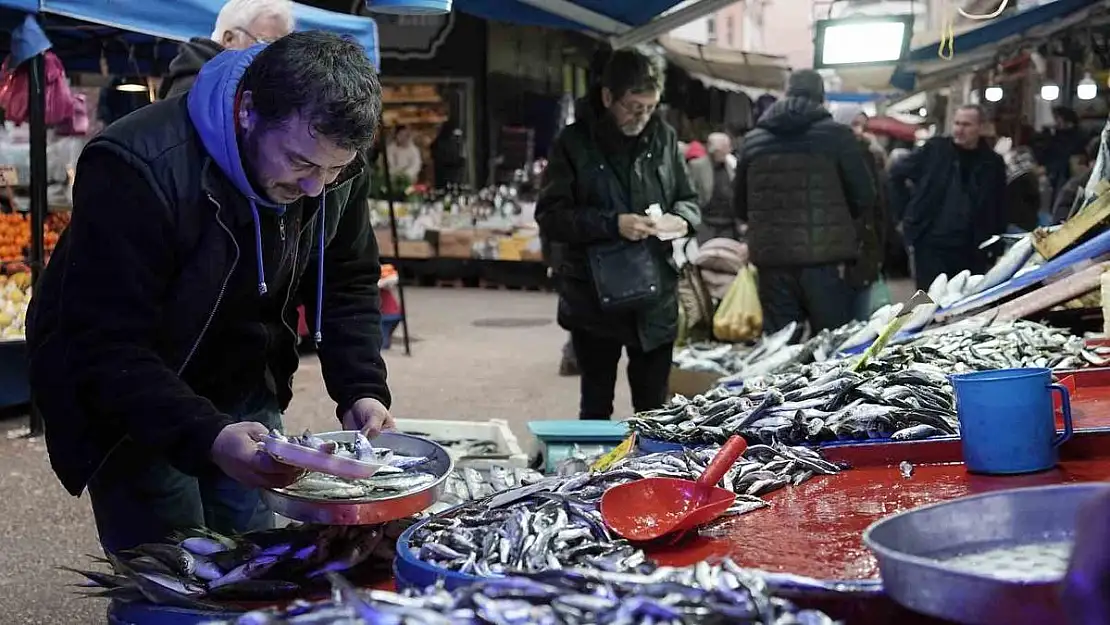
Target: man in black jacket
(239,25)
(607,169)
(162,336)
(801,181)
(957,200)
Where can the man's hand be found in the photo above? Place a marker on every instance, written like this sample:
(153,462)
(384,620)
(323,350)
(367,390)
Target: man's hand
(236,452)
(368,415)
(635,227)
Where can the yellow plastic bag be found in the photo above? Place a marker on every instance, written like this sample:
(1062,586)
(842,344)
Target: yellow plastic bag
(740,316)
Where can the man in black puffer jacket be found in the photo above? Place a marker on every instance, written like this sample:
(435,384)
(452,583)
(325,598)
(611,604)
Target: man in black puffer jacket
(801,183)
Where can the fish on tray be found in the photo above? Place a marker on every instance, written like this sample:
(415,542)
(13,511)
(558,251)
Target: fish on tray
(323,486)
(199,568)
(555,523)
(719,593)
(359,449)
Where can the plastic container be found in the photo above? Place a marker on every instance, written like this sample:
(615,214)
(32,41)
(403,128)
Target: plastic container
(410,572)
(389,326)
(1007,422)
(133,613)
(496,430)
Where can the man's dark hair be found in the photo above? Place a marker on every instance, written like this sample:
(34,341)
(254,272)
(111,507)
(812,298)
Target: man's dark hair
(323,76)
(1066,114)
(980,113)
(632,71)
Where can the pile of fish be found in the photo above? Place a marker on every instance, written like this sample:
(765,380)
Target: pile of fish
(380,486)
(960,348)
(461,447)
(201,568)
(723,593)
(469,483)
(358,449)
(718,358)
(812,404)
(555,524)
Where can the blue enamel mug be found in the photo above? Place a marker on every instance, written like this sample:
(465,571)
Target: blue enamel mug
(1007,422)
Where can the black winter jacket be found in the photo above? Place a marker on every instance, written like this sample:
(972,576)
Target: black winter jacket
(184,67)
(932,168)
(579,205)
(801,179)
(119,327)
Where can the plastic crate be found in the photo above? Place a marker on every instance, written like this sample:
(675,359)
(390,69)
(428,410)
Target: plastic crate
(496,430)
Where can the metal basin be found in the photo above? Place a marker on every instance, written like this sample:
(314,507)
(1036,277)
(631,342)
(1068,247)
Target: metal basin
(991,558)
(373,510)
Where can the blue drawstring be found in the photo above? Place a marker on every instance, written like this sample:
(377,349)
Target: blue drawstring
(322,227)
(318,335)
(262,289)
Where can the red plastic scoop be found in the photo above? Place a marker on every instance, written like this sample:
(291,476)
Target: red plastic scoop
(656,506)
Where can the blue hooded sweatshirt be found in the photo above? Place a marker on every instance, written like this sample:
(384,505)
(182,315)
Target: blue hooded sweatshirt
(211,103)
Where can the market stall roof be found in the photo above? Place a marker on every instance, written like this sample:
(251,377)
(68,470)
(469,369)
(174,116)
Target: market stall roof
(924,67)
(746,69)
(624,22)
(69,21)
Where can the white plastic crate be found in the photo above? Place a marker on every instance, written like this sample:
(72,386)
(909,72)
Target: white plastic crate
(496,430)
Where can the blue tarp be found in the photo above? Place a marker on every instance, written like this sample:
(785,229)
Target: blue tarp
(629,12)
(177,20)
(990,34)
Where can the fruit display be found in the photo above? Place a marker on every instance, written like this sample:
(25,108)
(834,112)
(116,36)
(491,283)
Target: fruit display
(15,294)
(15,234)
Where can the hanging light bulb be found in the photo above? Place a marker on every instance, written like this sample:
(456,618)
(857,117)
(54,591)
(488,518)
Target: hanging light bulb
(1050,91)
(922,112)
(1087,89)
(992,93)
(131,84)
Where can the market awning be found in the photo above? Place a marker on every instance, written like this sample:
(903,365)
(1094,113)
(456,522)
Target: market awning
(924,67)
(181,20)
(745,69)
(624,22)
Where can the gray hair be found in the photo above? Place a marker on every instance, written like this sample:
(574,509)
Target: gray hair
(241,13)
(719,139)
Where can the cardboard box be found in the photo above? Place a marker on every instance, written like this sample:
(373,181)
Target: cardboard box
(690,383)
(456,244)
(409,249)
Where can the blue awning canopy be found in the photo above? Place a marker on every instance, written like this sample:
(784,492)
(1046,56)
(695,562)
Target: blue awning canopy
(143,22)
(982,45)
(629,13)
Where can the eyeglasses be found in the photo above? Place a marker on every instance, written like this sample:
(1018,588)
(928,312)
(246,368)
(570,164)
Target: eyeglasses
(254,38)
(636,109)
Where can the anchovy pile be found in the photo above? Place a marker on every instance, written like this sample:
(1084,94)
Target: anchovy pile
(468,483)
(202,568)
(556,524)
(720,359)
(358,449)
(379,486)
(818,403)
(723,593)
(964,347)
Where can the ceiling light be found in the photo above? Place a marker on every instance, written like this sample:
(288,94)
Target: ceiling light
(992,93)
(1087,89)
(1050,92)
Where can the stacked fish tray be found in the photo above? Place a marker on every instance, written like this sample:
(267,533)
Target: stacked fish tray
(902,394)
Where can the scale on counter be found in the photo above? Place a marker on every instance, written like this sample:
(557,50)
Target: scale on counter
(559,438)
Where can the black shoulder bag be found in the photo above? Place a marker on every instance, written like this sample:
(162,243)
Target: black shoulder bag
(625,273)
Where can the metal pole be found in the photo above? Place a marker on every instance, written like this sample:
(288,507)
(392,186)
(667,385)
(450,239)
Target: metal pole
(37,114)
(396,244)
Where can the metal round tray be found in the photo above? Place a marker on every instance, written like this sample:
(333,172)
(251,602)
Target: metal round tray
(991,558)
(373,510)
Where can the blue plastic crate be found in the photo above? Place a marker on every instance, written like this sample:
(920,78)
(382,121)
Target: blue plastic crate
(410,572)
(389,326)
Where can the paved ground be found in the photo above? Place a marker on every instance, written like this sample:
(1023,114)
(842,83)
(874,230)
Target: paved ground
(457,371)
